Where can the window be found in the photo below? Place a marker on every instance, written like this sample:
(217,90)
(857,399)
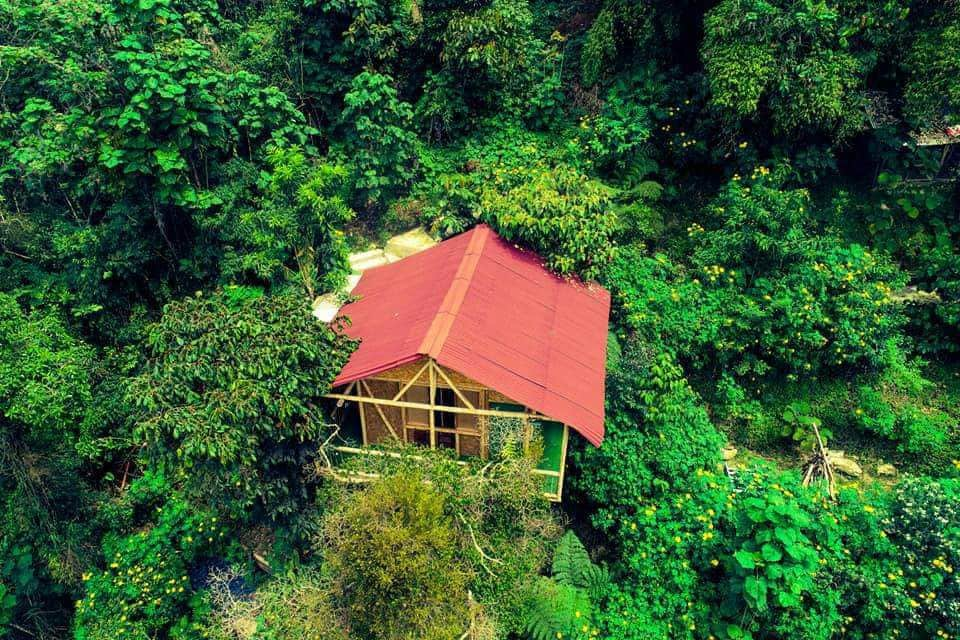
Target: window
(452,430)
(445,419)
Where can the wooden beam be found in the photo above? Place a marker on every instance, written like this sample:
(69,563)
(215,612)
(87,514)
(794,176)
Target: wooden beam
(385,454)
(563,460)
(419,405)
(484,428)
(527,434)
(347,391)
(546,472)
(380,411)
(412,380)
(450,384)
(363,420)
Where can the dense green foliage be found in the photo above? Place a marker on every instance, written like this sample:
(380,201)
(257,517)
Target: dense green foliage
(768,189)
(393,554)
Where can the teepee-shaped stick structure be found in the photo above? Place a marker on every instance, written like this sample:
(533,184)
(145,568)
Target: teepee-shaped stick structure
(819,465)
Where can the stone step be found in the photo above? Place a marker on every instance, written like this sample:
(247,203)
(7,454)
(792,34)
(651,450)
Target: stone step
(360,262)
(407,244)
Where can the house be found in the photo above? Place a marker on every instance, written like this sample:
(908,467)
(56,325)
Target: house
(468,338)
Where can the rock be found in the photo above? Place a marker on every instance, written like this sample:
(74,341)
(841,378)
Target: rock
(407,244)
(842,464)
(729,453)
(325,307)
(352,281)
(886,469)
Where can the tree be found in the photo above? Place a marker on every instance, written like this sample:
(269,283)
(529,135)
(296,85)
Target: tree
(47,504)
(792,59)
(115,124)
(283,225)
(227,400)
(379,137)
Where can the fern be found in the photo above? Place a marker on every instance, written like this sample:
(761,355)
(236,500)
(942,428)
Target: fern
(572,566)
(648,190)
(563,604)
(555,608)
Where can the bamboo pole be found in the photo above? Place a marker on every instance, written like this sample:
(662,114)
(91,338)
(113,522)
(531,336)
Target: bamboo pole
(563,460)
(420,405)
(383,416)
(433,402)
(412,380)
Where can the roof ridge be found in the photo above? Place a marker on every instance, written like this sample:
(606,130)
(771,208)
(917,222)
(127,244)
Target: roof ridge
(436,335)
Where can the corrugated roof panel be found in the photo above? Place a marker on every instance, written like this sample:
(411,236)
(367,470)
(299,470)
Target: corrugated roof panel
(493,313)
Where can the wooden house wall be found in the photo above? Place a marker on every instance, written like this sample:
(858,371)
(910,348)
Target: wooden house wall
(376,429)
(387,384)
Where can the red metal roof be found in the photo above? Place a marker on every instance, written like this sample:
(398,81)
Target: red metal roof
(492,312)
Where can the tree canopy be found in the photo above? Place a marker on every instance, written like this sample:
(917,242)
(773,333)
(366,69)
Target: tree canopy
(767,188)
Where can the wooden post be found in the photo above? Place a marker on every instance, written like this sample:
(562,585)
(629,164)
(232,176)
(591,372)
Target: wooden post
(527,432)
(433,402)
(483,426)
(362,408)
(563,460)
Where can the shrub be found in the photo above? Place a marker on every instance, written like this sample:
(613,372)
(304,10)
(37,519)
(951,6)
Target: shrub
(392,553)
(908,409)
(658,435)
(296,606)
(924,524)
(767,297)
(505,530)
(559,212)
(146,589)
(667,557)
(777,545)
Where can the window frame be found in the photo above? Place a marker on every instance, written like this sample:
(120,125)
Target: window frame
(476,395)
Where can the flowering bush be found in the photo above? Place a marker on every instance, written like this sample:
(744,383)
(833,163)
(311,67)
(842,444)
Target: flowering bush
(924,524)
(146,590)
(765,296)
